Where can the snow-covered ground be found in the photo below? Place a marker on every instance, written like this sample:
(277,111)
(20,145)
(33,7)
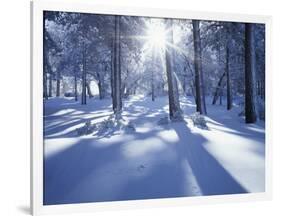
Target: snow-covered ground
(154,161)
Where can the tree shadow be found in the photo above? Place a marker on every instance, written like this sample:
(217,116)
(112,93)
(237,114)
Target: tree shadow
(211,176)
(53,105)
(68,169)
(233,122)
(48,133)
(65,170)
(165,180)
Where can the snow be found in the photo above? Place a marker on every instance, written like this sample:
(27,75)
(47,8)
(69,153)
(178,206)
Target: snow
(155,160)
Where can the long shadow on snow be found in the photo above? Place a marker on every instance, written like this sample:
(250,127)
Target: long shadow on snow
(72,122)
(235,123)
(64,171)
(165,180)
(211,176)
(54,105)
(67,170)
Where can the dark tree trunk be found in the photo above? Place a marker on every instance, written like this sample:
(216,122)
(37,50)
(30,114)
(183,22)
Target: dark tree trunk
(263,89)
(250,70)
(174,105)
(228,84)
(58,84)
(152,86)
(45,87)
(84,79)
(50,85)
(184,85)
(134,90)
(45,59)
(116,99)
(75,87)
(100,90)
(259,88)
(202,81)
(112,69)
(199,87)
(221,94)
(218,89)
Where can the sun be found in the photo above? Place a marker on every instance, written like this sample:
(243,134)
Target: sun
(156,35)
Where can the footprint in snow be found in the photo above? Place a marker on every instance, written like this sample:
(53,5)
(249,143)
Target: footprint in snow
(141,168)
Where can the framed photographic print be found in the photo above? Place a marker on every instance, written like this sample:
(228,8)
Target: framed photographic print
(137,107)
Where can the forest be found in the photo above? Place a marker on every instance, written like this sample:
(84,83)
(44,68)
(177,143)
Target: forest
(144,107)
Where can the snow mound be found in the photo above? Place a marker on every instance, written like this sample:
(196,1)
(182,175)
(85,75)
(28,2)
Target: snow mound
(86,129)
(108,127)
(199,120)
(166,120)
(114,124)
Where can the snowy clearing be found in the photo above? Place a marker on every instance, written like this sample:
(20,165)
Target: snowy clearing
(156,160)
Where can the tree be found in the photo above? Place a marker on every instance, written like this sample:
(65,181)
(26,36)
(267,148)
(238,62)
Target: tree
(199,81)
(116,79)
(48,44)
(45,41)
(75,85)
(228,84)
(84,77)
(50,85)
(250,70)
(152,86)
(219,88)
(58,78)
(174,105)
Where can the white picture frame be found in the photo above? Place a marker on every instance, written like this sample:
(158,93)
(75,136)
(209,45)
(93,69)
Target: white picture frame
(88,6)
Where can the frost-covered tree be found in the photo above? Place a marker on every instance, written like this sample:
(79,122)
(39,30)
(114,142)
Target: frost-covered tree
(199,80)
(250,74)
(174,105)
(89,55)
(116,79)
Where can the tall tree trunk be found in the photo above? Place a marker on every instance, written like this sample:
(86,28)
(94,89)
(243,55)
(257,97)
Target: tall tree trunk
(202,80)
(221,94)
(58,84)
(50,85)
(259,88)
(101,86)
(152,86)
(45,87)
(228,84)
(199,85)
(174,105)
(75,87)
(263,90)
(116,99)
(84,80)
(184,84)
(218,89)
(45,59)
(100,90)
(250,75)
(112,68)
